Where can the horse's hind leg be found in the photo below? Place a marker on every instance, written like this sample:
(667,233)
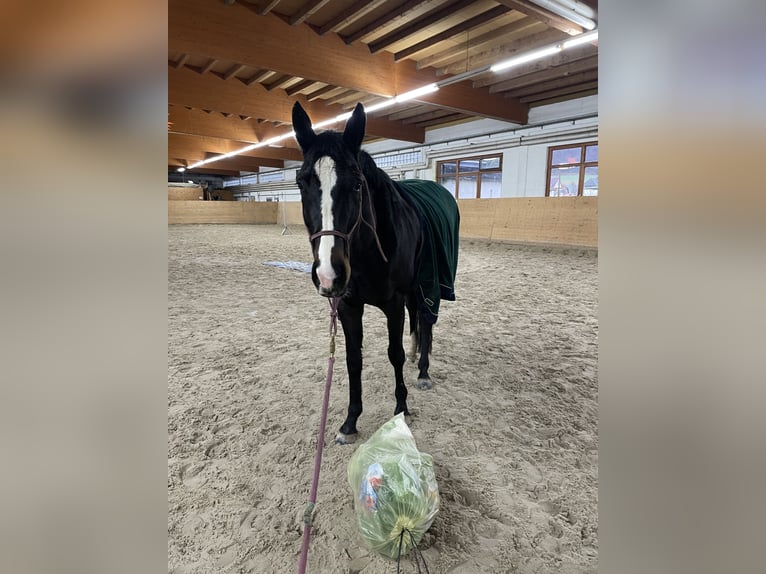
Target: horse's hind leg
(351,320)
(426,337)
(394,311)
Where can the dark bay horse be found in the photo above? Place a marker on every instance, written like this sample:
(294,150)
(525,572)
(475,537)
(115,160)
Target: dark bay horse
(375,242)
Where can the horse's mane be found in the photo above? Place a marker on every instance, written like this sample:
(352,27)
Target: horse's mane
(376,178)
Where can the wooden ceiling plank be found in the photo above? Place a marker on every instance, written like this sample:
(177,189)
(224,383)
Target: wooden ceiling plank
(188,88)
(521,45)
(441,121)
(306,11)
(267,7)
(233,71)
(181,61)
(198,147)
(536,88)
(474,43)
(417,25)
(545,75)
(268,41)
(320,92)
(259,76)
(462,27)
(279,81)
(348,16)
(209,66)
(548,18)
(197,123)
(299,87)
(576,54)
(568,90)
(382,21)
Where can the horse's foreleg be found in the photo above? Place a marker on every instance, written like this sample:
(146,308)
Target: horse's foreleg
(395,320)
(351,320)
(426,337)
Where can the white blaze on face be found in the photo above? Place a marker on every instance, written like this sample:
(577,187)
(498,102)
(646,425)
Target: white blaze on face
(325,169)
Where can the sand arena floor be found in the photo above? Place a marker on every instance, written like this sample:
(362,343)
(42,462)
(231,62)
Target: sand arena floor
(511,422)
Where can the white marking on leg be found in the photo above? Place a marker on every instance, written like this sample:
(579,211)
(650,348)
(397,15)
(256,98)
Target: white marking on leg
(325,168)
(413,347)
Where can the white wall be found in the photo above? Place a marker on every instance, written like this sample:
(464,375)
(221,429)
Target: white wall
(524,148)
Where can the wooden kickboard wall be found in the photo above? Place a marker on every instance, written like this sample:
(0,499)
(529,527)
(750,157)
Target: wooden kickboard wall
(560,221)
(222,212)
(555,220)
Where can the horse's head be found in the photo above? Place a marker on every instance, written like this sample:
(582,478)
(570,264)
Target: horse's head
(331,184)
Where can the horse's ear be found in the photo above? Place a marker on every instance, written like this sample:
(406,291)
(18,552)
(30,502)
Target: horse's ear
(354,132)
(302,126)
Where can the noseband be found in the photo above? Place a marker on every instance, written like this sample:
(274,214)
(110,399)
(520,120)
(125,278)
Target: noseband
(360,218)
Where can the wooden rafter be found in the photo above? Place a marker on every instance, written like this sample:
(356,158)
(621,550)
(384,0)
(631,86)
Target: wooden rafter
(563,70)
(306,11)
(453,31)
(583,89)
(381,21)
(506,51)
(233,71)
(299,87)
(548,18)
(268,41)
(186,87)
(181,61)
(349,15)
(495,35)
(418,24)
(576,54)
(267,6)
(209,66)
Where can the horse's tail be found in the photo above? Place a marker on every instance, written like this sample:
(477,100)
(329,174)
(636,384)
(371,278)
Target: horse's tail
(414,318)
(416,328)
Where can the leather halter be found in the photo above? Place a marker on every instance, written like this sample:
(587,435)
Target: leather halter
(347,236)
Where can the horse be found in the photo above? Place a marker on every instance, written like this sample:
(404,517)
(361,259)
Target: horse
(371,239)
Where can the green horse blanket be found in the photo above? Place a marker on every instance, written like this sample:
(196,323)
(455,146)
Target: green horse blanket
(440,224)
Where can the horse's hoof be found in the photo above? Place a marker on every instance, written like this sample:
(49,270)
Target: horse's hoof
(412,358)
(341,438)
(424,384)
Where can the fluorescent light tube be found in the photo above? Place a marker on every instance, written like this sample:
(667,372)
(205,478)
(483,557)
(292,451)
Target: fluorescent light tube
(523,59)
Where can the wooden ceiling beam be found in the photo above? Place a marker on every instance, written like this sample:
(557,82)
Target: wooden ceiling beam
(187,88)
(349,15)
(579,89)
(381,21)
(209,66)
(561,71)
(267,6)
(462,27)
(225,145)
(575,54)
(233,71)
(419,24)
(494,35)
(562,82)
(299,87)
(269,42)
(306,11)
(548,18)
(181,61)
(506,51)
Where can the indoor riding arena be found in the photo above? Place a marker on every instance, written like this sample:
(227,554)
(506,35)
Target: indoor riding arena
(512,419)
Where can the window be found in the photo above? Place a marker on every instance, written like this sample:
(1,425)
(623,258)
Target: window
(472,177)
(573,170)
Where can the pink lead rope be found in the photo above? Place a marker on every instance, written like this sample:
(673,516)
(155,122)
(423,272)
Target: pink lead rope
(307,514)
